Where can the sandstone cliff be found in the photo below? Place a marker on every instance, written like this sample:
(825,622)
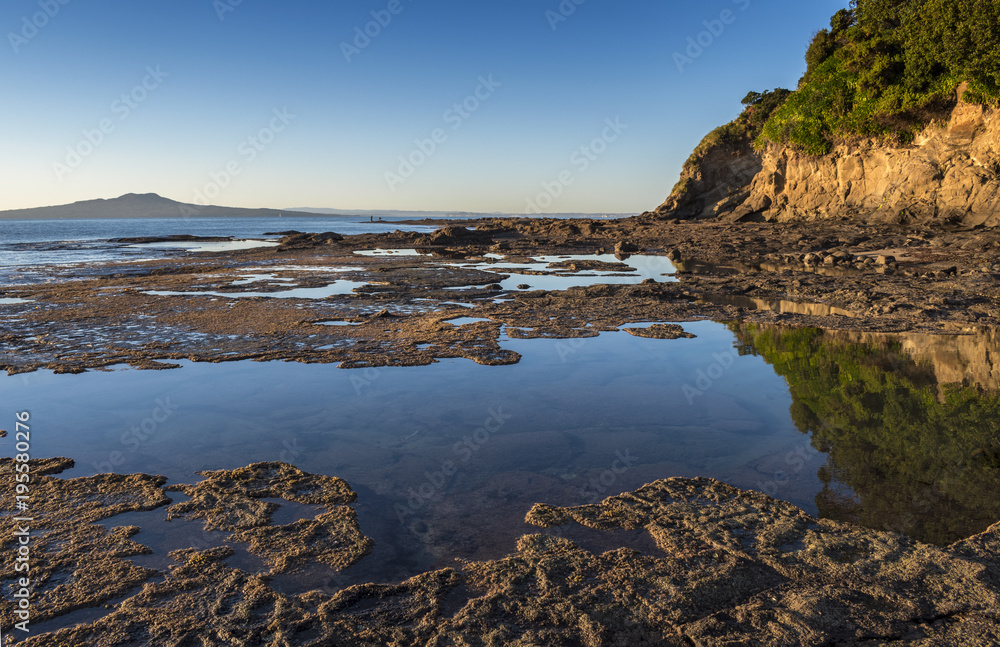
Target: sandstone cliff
(949,174)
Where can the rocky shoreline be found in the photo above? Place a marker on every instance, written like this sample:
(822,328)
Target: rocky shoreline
(392,310)
(729,567)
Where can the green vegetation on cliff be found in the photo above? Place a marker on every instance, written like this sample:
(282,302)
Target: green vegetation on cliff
(917,458)
(885,68)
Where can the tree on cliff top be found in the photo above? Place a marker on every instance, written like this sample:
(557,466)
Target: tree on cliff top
(885,68)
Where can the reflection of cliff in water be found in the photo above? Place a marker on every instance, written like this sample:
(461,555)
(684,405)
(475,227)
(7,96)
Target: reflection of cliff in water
(910,423)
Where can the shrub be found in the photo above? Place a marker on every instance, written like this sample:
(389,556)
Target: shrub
(885,68)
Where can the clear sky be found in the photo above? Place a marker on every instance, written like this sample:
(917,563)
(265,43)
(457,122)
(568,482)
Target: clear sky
(461,105)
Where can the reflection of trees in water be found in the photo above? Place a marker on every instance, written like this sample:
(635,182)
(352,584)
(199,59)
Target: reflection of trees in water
(905,453)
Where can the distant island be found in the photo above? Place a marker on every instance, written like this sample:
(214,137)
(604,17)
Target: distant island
(141,205)
(151,205)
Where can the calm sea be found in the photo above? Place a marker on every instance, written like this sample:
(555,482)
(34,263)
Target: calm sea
(25,244)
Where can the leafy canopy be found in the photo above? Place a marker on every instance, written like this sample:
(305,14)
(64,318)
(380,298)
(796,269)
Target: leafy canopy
(885,68)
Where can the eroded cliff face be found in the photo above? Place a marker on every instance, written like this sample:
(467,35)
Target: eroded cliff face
(949,174)
(716,182)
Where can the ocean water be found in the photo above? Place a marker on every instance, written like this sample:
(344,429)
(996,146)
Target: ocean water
(28,243)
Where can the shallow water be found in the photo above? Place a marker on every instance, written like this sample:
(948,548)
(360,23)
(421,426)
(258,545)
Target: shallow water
(389,252)
(893,432)
(209,246)
(640,268)
(333,289)
(461,321)
(574,421)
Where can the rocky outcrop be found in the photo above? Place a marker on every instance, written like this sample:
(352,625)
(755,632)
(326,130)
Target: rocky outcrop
(949,174)
(722,567)
(714,181)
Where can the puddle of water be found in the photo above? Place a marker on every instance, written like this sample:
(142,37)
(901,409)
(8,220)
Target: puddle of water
(389,252)
(337,323)
(546,429)
(218,246)
(309,268)
(9,301)
(254,278)
(336,288)
(575,421)
(639,268)
(461,321)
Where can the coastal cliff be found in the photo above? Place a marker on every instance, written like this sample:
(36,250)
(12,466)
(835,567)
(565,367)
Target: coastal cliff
(950,174)
(895,120)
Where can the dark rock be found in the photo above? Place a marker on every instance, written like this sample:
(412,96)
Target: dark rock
(625,247)
(661,331)
(139,240)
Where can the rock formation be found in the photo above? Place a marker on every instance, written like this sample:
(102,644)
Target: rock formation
(948,175)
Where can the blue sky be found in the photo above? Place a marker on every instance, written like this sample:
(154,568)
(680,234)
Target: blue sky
(447,105)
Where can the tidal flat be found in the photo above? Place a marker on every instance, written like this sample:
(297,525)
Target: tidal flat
(516,432)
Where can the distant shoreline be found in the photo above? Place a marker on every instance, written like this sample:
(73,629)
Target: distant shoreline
(400,219)
(150,205)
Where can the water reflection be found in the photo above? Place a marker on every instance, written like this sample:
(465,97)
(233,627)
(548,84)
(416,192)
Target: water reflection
(910,423)
(782,306)
(448,458)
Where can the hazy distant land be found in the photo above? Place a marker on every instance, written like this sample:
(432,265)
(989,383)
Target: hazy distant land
(151,205)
